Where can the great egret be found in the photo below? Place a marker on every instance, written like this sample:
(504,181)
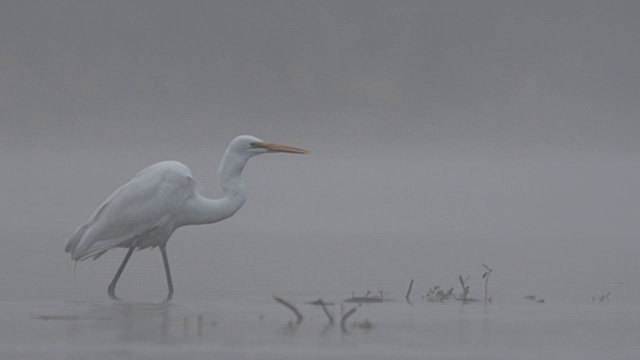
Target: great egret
(163,197)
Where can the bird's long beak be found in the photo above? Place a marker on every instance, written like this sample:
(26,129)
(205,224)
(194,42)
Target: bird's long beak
(281,148)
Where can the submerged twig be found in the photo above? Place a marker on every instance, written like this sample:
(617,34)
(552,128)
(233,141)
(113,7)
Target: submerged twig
(326,311)
(345,316)
(409,291)
(323,305)
(290,307)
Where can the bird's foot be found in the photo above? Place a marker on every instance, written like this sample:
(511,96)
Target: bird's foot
(168,298)
(112,293)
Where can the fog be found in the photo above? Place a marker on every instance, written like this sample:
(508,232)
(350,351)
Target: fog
(447,133)
(444,135)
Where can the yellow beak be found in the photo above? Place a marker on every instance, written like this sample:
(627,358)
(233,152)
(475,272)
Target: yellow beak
(281,148)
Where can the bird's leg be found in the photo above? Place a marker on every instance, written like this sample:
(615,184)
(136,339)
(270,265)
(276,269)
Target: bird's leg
(112,287)
(163,250)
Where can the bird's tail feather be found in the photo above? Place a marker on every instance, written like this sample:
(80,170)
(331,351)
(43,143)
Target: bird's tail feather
(72,244)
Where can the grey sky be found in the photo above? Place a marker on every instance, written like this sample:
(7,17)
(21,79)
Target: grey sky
(493,73)
(486,125)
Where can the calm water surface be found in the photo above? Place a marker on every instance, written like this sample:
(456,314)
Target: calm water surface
(224,309)
(264,330)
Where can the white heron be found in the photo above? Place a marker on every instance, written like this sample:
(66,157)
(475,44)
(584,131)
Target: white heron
(163,197)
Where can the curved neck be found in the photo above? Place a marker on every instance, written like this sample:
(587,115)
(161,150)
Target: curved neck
(230,171)
(202,210)
(209,211)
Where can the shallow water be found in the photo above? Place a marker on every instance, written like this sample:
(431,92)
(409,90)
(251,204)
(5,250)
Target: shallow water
(265,330)
(223,306)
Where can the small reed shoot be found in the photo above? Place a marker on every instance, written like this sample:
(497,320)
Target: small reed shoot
(465,289)
(436,294)
(409,292)
(485,276)
(602,298)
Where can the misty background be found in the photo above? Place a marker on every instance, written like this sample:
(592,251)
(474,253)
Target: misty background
(443,135)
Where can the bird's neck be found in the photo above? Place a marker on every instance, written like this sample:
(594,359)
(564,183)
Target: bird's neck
(201,210)
(229,177)
(214,210)
(230,172)
(235,194)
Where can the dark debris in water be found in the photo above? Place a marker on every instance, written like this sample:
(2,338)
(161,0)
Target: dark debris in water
(67,317)
(367,298)
(363,325)
(319,302)
(534,299)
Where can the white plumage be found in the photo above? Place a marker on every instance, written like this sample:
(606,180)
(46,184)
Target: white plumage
(146,211)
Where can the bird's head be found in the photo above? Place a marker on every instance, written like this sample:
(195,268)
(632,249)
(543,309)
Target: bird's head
(241,149)
(253,146)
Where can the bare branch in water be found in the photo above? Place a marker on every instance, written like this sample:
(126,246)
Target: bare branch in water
(290,307)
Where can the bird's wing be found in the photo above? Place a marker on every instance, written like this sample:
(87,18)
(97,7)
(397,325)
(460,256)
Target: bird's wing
(145,204)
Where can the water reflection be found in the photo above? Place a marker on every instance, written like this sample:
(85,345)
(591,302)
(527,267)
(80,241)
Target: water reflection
(130,330)
(131,322)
